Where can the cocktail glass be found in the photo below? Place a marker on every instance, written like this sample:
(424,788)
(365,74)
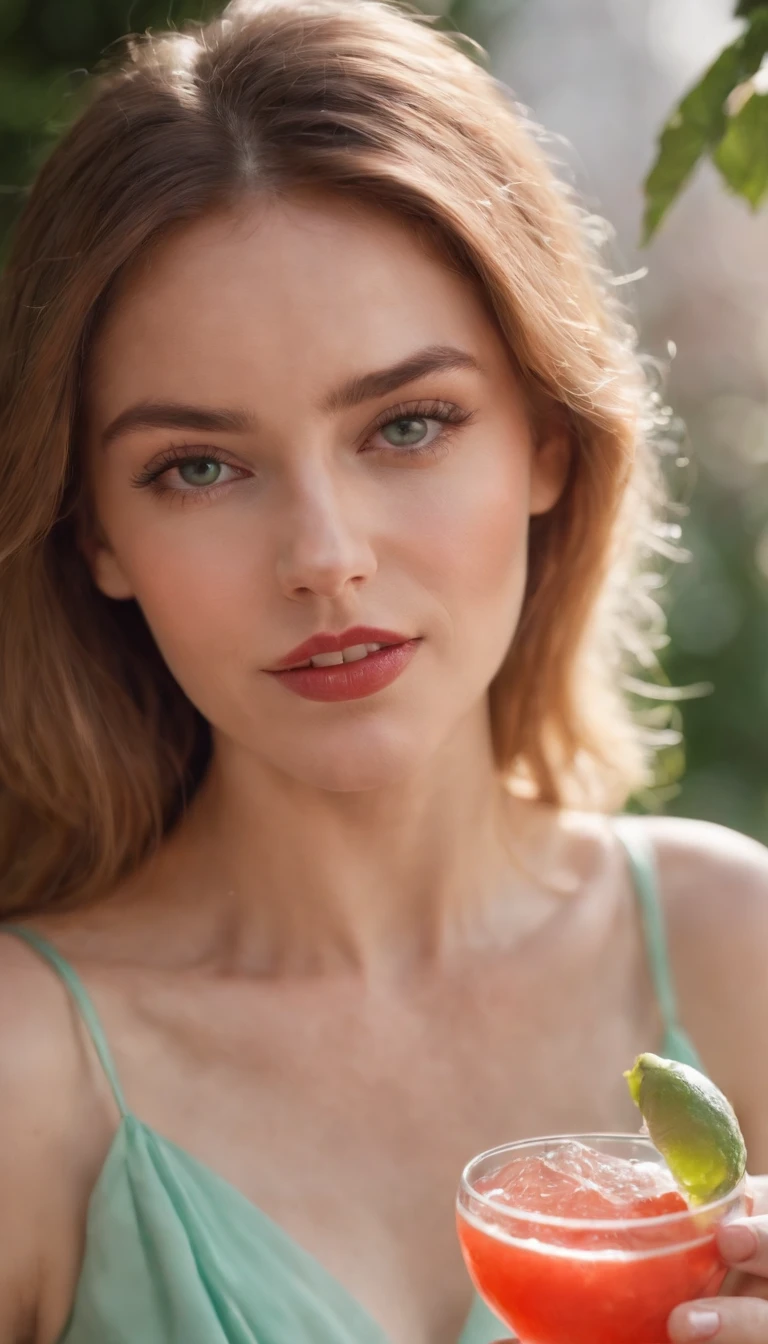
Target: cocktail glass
(557,1279)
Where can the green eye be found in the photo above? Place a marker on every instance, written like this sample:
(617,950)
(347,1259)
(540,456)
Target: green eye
(200,471)
(405,431)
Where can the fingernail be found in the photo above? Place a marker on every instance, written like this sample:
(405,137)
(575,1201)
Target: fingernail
(702,1323)
(737,1242)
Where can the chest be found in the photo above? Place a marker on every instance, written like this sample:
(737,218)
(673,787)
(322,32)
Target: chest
(347,1115)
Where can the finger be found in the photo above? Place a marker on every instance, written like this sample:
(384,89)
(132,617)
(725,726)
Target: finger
(757,1194)
(744,1285)
(736,1284)
(726,1320)
(744,1245)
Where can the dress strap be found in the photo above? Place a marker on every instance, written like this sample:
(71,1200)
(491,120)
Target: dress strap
(82,1000)
(676,1043)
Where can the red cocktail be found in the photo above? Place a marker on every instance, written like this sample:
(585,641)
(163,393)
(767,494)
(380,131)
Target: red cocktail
(585,1239)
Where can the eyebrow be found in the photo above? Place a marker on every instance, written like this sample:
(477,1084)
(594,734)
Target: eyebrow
(151,414)
(432,359)
(175,415)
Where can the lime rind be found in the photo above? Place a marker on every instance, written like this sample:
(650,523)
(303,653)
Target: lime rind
(634,1077)
(692,1124)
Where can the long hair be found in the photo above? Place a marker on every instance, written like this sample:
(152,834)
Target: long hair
(99,748)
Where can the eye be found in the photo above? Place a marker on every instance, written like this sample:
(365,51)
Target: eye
(424,428)
(181,472)
(411,431)
(200,471)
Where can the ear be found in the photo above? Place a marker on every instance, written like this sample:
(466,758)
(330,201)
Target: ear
(105,568)
(550,465)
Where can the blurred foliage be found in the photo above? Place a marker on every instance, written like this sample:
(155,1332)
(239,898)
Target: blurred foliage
(47,50)
(719,612)
(725,116)
(49,47)
(718,607)
(481,20)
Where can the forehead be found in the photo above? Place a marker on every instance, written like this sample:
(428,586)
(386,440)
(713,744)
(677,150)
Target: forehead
(316,288)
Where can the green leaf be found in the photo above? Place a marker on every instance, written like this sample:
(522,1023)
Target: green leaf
(747,7)
(742,155)
(699,123)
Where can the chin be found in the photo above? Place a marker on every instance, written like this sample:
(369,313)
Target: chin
(356,761)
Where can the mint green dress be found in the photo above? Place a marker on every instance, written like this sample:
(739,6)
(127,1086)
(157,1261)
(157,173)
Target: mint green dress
(174,1254)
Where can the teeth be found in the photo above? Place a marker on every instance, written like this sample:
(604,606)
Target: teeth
(351,655)
(327,659)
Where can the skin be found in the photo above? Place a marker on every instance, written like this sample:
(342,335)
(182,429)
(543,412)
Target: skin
(357,954)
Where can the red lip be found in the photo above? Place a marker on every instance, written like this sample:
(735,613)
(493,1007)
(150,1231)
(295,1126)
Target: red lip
(350,681)
(329,643)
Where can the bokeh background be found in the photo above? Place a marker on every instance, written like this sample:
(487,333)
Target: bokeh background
(601,76)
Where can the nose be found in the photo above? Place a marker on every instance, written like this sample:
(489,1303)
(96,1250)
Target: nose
(325,548)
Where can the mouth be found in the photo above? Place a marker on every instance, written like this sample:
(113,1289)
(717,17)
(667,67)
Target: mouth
(331,650)
(354,653)
(349,672)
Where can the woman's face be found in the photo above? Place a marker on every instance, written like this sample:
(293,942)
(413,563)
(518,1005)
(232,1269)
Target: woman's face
(301,421)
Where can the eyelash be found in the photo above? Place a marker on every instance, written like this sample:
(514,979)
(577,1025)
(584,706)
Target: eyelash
(451,416)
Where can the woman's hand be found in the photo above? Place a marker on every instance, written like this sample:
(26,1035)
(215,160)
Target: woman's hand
(741,1315)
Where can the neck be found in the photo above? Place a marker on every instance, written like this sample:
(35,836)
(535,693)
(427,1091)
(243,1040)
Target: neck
(292,879)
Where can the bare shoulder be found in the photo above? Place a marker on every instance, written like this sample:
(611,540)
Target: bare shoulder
(43,1141)
(35,1058)
(29,993)
(714,882)
(714,887)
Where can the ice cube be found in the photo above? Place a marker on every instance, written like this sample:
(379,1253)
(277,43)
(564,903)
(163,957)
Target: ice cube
(572,1180)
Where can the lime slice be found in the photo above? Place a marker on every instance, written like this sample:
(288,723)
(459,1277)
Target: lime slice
(692,1124)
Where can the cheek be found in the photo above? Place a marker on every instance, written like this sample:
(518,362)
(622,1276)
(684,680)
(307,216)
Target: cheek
(474,533)
(197,573)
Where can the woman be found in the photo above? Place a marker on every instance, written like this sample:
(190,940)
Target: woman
(327,470)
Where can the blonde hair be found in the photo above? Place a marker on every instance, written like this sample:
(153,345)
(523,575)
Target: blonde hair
(99,748)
